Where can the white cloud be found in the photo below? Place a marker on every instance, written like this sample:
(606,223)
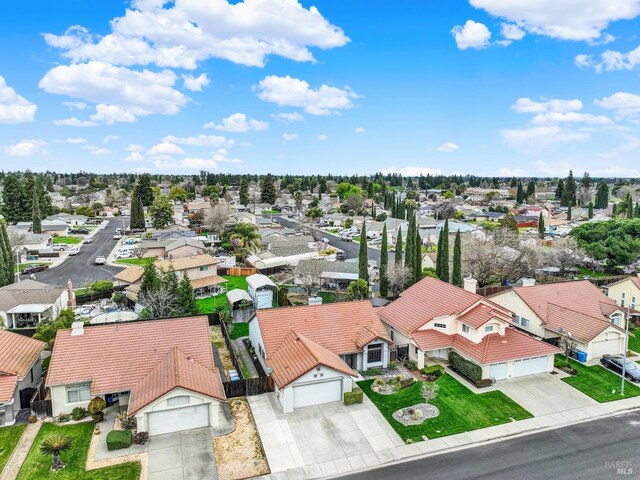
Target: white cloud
(101,151)
(413,171)
(74,122)
(610,60)
(70,140)
(584,61)
(182,34)
(25,148)
(535,138)
(448,147)
(292,92)
(14,108)
(238,123)
(110,138)
(526,105)
(511,31)
(196,163)
(471,35)
(322,137)
(624,104)
(287,137)
(195,84)
(215,141)
(121,94)
(165,148)
(554,118)
(288,117)
(566,19)
(135,148)
(135,157)
(511,172)
(75,105)
(360,130)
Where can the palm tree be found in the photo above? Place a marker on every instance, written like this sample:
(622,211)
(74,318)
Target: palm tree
(245,239)
(97,208)
(53,445)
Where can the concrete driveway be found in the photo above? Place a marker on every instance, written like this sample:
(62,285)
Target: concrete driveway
(327,437)
(184,455)
(543,394)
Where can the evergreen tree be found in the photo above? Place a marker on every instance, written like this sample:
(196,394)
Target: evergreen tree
(268,192)
(417,274)
(398,253)
(137,213)
(36,219)
(541,229)
(569,212)
(602,196)
(161,211)
(187,304)
(143,190)
(12,194)
(629,206)
(456,275)
(7,262)
(444,258)
(150,279)
(571,188)
(169,280)
(560,189)
(410,250)
(244,191)
(363,260)
(636,211)
(520,194)
(531,189)
(590,210)
(384,264)
(439,256)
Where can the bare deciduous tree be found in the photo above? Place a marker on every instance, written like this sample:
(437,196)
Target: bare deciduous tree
(17,239)
(310,276)
(398,277)
(161,302)
(217,217)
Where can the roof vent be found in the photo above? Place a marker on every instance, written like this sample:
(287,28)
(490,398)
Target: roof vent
(77,328)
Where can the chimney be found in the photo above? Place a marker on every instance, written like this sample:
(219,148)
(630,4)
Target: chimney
(470,285)
(77,328)
(71,301)
(528,282)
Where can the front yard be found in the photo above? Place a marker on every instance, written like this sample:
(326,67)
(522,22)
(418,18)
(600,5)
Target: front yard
(140,262)
(9,438)
(634,342)
(219,302)
(67,240)
(597,382)
(461,410)
(37,465)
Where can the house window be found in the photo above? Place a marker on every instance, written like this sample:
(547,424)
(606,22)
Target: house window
(622,299)
(465,328)
(31,372)
(179,400)
(440,325)
(374,353)
(615,319)
(524,322)
(415,349)
(633,302)
(204,268)
(488,328)
(391,335)
(78,393)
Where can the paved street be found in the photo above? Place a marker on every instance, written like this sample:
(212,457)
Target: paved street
(586,451)
(80,268)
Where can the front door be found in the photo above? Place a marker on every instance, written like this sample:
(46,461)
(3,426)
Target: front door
(351,360)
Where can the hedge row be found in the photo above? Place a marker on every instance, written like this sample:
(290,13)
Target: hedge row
(117,439)
(351,398)
(465,367)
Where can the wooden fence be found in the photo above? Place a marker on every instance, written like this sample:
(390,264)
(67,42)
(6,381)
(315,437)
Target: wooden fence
(242,314)
(248,387)
(231,347)
(93,296)
(40,405)
(240,271)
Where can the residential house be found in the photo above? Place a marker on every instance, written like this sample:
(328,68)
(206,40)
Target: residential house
(55,227)
(549,311)
(25,304)
(173,248)
(161,371)
(313,351)
(262,290)
(434,318)
(326,274)
(488,216)
(20,372)
(625,293)
(534,211)
(69,219)
(26,241)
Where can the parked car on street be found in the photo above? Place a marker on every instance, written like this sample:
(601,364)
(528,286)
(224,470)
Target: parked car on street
(346,238)
(615,363)
(34,269)
(117,236)
(74,250)
(60,248)
(87,240)
(100,260)
(124,254)
(80,231)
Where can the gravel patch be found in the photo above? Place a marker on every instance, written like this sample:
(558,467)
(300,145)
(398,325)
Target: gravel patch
(407,419)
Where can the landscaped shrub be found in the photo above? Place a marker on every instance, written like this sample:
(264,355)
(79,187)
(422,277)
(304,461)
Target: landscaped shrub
(378,382)
(392,365)
(354,397)
(127,422)
(140,438)
(95,408)
(465,367)
(410,364)
(102,286)
(117,439)
(78,413)
(485,382)
(417,415)
(434,371)
(406,382)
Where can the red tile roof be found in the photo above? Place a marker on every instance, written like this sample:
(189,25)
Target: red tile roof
(18,353)
(431,298)
(583,327)
(338,327)
(297,355)
(176,369)
(117,357)
(480,314)
(8,385)
(431,339)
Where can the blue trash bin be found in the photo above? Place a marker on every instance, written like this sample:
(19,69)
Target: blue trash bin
(582,356)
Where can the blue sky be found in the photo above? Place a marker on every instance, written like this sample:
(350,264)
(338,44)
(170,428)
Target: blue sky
(488,87)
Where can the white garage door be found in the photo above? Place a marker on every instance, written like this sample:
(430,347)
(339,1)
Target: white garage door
(178,419)
(613,346)
(317,393)
(529,366)
(498,370)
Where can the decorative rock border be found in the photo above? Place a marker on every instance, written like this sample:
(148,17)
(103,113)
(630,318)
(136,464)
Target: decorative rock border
(428,411)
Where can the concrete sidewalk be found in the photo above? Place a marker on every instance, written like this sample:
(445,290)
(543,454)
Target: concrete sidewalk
(426,448)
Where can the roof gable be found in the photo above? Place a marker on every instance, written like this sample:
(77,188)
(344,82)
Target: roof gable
(18,353)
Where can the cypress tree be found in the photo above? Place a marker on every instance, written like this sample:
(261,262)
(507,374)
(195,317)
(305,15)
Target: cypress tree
(418,263)
(7,271)
(36,220)
(439,256)
(363,261)
(444,257)
(384,264)
(244,191)
(590,210)
(456,275)
(520,194)
(572,188)
(410,250)
(187,304)
(569,212)
(4,268)
(150,279)
(636,211)
(541,226)
(560,189)
(629,206)
(398,254)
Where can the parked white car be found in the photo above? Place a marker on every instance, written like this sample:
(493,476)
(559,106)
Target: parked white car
(117,236)
(125,254)
(87,240)
(100,260)
(74,250)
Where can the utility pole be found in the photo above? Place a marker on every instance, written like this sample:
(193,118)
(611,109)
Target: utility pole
(626,342)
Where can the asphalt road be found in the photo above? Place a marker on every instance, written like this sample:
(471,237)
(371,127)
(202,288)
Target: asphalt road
(587,451)
(80,268)
(351,249)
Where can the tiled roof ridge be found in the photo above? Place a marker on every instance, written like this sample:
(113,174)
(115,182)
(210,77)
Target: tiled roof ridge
(550,304)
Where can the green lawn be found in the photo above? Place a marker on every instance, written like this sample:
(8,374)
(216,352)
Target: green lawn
(236,282)
(461,410)
(137,261)
(67,240)
(219,303)
(239,330)
(634,342)
(38,465)
(9,437)
(22,266)
(592,273)
(597,382)
(332,297)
